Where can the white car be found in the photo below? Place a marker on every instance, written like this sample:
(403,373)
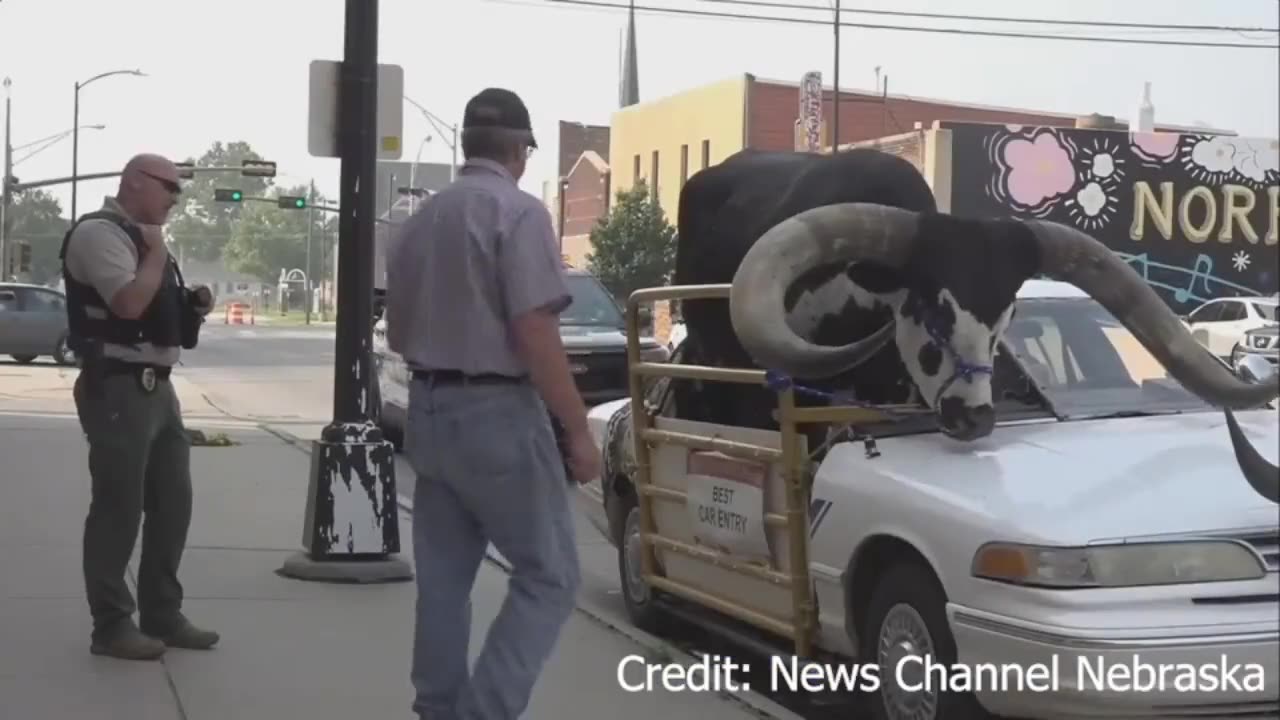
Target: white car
(1220,324)
(1104,526)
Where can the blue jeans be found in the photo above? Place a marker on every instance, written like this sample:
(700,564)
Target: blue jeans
(488,471)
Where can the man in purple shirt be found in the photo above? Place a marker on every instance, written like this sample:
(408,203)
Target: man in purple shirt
(475,286)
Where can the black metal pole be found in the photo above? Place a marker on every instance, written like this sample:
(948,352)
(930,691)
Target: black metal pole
(351,525)
(835,81)
(357,119)
(75,151)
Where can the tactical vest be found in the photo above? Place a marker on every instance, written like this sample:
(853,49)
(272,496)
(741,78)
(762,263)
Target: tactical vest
(160,324)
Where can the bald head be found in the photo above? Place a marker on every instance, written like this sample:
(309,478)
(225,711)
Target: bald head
(149,188)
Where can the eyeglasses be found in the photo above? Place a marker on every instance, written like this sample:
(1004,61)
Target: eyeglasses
(173,187)
(528,151)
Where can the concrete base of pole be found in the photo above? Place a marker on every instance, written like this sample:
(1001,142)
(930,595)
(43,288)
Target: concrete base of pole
(351,530)
(300,566)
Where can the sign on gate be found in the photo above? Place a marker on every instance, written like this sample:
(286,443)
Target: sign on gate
(725,500)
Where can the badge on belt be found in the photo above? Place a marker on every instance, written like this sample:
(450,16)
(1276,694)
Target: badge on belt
(148,379)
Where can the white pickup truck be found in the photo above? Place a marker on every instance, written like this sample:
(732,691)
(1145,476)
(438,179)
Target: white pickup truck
(1099,555)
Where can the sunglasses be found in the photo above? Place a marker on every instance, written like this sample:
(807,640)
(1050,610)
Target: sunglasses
(173,187)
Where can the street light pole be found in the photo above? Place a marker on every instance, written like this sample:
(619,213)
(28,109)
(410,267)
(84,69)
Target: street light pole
(6,182)
(75,132)
(439,126)
(311,221)
(835,80)
(351,524)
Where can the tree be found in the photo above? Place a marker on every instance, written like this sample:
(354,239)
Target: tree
(266,238)
(201,226)
(633,246)
(37,219)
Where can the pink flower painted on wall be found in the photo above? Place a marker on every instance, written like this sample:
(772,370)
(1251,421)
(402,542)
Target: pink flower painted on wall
(1156,145)
(1039,170)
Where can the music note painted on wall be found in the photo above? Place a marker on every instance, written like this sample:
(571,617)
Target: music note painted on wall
(1205,274)
(1142,263)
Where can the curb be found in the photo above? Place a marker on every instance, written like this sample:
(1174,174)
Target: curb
(753,702)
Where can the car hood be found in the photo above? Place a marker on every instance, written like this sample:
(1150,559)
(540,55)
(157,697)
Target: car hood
(591,337)
(1271,329)
(1080,481)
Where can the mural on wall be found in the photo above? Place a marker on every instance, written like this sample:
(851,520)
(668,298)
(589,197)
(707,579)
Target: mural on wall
(1196,215)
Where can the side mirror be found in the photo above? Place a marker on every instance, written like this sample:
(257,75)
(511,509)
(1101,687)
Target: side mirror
(644,315)
(1255,369)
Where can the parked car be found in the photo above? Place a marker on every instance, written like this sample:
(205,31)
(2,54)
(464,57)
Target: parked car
(1104,521)
(1219,324)
(592,329)
(1258,341)
(33,322)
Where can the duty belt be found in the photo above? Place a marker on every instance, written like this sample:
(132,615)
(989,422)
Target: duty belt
(147,374)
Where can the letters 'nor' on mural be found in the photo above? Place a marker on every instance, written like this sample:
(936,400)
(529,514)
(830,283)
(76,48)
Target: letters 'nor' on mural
(1197,215)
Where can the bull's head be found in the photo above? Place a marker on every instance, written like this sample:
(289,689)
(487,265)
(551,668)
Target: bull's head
(953,298)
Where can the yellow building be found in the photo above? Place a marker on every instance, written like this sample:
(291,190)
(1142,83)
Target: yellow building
(664,141)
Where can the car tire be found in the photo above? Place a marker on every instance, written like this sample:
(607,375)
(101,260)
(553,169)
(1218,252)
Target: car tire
(637,596)
(1236,353)
(24,359)
(906,615)
(63,354)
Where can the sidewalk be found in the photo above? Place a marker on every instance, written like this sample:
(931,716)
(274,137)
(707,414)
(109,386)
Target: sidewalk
(289,649)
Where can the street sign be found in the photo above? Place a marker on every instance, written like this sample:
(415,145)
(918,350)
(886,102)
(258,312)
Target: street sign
(322,122)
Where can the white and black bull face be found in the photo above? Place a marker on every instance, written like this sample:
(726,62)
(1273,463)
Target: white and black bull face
(949,353)
(946,349)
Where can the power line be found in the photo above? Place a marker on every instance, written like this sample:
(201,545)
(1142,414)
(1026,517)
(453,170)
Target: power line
(905,28)
(990,18)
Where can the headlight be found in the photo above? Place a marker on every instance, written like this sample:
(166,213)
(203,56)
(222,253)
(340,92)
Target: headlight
(654,354)
(1163,563)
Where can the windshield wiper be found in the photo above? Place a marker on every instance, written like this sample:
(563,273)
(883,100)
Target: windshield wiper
(1133,414)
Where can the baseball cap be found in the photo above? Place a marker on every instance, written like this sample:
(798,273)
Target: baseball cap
(500,108)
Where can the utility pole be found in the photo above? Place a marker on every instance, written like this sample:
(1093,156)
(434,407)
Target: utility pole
(835,94)
(351,527)
(6,182)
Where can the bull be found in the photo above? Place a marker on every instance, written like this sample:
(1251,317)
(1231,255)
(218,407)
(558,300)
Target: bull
(844,274)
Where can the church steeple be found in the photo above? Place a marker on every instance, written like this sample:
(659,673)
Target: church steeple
(629,83)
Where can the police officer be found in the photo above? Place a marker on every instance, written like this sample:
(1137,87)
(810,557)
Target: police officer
(129,315)
(475,286)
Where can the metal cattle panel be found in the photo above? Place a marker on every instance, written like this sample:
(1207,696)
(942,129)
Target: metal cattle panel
(772,590)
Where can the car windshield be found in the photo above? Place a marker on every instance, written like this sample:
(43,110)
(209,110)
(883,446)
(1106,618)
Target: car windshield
(591,304)
(1088,365)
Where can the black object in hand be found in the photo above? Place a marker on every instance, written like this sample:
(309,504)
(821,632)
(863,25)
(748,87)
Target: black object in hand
(562,444)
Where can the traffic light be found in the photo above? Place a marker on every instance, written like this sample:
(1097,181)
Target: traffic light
(24,257)
(227,195)
(291,202)
(186,170)
(258,168)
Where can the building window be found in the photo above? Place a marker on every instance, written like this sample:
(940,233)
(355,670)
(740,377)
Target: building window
(684,164)
(653,177)
(635,169)
(706,153)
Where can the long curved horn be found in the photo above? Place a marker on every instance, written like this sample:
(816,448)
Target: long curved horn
(1075,257)
(843,233)
(1262,475)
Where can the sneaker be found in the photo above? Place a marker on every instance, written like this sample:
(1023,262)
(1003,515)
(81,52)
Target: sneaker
(190,637)
(128,643)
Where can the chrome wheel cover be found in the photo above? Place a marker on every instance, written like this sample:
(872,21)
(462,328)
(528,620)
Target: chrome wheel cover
(903,633)
(636,588)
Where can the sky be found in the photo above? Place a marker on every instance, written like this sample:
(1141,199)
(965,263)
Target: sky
(238,69)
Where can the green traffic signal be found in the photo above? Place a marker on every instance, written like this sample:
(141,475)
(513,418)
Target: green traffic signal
(291,202)
(227,195)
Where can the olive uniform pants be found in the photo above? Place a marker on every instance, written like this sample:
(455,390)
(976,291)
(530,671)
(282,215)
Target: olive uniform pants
(139,461)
